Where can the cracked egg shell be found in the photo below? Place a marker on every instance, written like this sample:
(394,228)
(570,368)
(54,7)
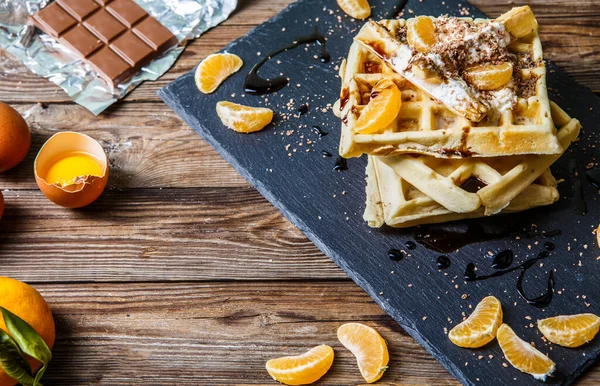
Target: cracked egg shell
(86,189)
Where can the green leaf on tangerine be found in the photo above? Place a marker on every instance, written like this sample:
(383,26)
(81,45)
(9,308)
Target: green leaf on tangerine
(28,340)
(12,361)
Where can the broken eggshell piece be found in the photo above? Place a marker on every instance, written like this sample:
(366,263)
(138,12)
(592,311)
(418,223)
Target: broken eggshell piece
(86,189)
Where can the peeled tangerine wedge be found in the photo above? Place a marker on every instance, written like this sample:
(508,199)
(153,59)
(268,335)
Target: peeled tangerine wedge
(489,76)
(570,330)
(519,21)
(522,355)
(420,33)
(358,9)
(243,119)
(480,327)
(368,347)
(302,369)
(382,109)
(214,69)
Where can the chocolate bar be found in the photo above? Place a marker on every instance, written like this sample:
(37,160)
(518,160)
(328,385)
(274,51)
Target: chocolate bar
(116,37)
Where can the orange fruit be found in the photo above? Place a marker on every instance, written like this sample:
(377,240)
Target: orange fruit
(489,76)
(382,109)
(519,21)
(570,330)
(368,347)
(25,302)
(15,137)
(420,33)
(214,69)
(480,327)
(302,369)
(243,119)
(358,9)
(522,355)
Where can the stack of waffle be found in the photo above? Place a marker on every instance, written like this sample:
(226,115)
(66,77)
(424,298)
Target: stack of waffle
(458,146)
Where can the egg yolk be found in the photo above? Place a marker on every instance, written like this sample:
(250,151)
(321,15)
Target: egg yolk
(67,170)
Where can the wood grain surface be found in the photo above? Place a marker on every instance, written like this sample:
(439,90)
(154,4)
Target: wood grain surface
(181,273)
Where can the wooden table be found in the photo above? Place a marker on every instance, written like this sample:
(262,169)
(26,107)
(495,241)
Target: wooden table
(181,273)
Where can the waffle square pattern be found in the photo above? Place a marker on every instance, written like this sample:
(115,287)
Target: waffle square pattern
(445,117)
(454,116)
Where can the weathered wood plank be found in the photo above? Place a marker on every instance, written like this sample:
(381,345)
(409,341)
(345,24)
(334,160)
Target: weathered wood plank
(147,146)
(218,333)
(570,32)
(154,235)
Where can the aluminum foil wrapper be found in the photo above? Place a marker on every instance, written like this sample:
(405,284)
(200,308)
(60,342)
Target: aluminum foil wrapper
(186,19)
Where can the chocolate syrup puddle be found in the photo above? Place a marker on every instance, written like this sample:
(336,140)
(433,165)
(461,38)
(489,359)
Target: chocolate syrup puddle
(503,259)
(473,184)
(340,164)
(318,131)
(447,241)
(593,176)
(256,85)
(578,198)
(395,254)
(443,262)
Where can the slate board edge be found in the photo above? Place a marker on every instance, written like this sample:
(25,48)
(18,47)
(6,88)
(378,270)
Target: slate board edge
(172,101)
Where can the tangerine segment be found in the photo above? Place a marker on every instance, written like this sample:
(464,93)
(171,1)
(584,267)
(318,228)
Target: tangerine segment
(302,369)
(214,69)
(522,355)
(519,21)
(358,9)
(420,33)
(570,330)
(368,347)
(382,109)
(243,119)
(489,76)
(480,327)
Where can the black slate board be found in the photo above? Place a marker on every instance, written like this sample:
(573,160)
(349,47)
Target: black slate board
(327,205)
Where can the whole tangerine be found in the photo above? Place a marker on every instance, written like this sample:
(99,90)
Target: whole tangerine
(26,302)
(15,138)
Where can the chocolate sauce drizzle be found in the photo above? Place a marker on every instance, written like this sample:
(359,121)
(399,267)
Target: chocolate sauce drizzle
(303,109)
(340,164)
(473,184)
(541,301)
(318,131)
(410,245)
(395,254)
(443,262)
(503,259)
(256,85)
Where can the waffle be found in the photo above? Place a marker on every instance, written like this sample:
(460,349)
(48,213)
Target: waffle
(433,185)
(426,126)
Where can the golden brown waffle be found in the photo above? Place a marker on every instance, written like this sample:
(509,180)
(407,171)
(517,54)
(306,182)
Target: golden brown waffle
(426,126)
(432,192)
